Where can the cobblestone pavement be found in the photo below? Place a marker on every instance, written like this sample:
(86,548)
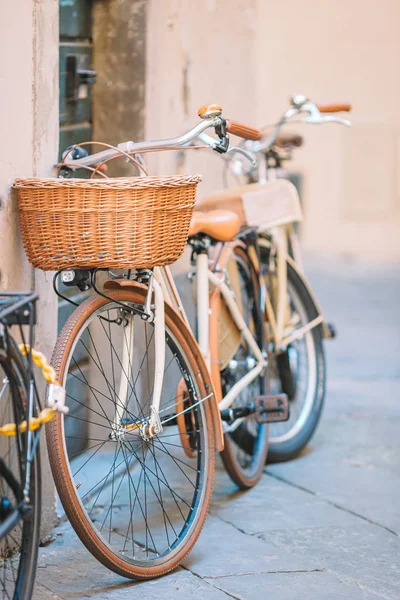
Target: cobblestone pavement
(324,526)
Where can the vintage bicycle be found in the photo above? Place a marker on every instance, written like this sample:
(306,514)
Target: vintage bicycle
(133,462)
(21,421)
(295,324)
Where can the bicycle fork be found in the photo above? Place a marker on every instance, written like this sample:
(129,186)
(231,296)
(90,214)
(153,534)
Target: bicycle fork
(153,313)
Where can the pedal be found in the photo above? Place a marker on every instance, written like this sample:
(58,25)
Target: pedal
(272,409)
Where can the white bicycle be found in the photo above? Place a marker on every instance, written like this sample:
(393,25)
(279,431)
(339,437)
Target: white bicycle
(295,326)
(148,404)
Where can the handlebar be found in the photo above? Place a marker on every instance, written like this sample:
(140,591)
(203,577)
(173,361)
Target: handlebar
(211,115)
(313,114)
(133,147)
(300,107)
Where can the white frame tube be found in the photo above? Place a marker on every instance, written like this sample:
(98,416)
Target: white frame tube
(159,363)
(159,358)
(295,243)
(240,323)
(280,238)
(203,306)
(127,358)
(171,294)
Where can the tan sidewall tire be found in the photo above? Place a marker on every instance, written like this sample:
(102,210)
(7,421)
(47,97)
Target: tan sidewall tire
(227,453)
(58,460)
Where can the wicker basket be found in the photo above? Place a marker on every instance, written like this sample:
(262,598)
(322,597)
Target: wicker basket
(137,222)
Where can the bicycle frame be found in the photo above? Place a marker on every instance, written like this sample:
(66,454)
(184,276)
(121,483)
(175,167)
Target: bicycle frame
(161,284)
(208,335)
(282,241)
(286,248)
(163,288)
(277,308)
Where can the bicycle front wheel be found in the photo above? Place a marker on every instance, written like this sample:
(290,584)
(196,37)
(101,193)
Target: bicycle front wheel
(137,504)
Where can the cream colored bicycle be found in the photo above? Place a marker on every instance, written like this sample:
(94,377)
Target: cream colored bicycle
(295,324)
(133,461)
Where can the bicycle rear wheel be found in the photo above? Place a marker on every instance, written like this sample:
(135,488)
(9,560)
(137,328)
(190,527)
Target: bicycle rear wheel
(299,372)
(138,505)
(246,441)
(19,524)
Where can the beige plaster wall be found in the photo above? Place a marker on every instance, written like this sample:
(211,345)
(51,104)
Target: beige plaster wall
(198,53)
(16,132)
(346,51)
(28,147)
(250,56)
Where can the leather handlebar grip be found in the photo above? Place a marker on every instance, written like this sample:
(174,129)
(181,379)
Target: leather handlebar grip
(243,131)
(332,108)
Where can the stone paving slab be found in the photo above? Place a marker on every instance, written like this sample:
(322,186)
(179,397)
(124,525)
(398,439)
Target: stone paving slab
(365,554)
(180,585)
(42,593)
(368,491)
(353,459)
(275,505)
(67,572)
(68,569)
(291,586)
(224,550)
(323,527)
(361,299)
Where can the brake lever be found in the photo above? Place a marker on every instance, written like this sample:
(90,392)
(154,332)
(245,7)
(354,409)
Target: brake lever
(244,153)
(212,143)
(221,146)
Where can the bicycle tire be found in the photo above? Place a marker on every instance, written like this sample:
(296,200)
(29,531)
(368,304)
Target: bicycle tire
(246,448)
(26,534)
(288,439)
(108,552)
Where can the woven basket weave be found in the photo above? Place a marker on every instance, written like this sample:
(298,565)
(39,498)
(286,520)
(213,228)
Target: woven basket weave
(137,222)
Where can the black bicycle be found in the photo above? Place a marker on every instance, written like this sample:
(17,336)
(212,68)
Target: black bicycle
(20,482)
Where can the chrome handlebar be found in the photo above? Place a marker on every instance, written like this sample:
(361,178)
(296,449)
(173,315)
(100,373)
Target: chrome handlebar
(133,147)
(299,104)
